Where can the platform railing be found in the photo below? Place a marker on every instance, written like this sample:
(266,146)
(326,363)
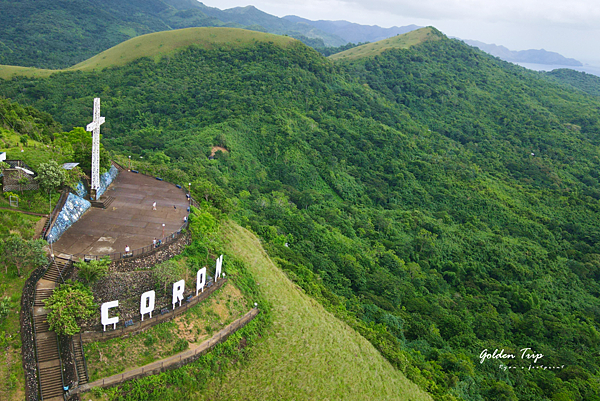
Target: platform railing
(135,252)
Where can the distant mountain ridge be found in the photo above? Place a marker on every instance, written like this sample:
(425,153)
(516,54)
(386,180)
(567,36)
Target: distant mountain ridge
(354,33)
(252,18)
(61,33)
(524,56)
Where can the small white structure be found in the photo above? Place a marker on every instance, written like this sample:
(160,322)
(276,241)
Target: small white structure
(200,279)
(25,170)
(2,156)
(70,166)
(218,268)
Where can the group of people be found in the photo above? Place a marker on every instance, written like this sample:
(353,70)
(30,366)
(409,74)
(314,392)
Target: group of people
(155,244)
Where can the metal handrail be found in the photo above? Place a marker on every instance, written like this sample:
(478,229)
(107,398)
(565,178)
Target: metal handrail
(136,252)
(74,363)
(37,362)
(83,355)
(62,376)
(66,266)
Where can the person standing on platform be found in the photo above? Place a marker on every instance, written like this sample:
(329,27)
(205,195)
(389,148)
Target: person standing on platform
(154,206)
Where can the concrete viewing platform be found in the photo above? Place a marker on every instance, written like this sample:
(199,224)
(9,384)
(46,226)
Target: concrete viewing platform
(129,220)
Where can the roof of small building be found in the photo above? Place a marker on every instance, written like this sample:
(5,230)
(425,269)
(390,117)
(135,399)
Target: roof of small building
(70,166)
(25,170)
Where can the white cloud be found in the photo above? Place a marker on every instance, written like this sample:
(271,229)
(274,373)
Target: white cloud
(572,12)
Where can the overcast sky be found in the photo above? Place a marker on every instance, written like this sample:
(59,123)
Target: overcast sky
(569,27)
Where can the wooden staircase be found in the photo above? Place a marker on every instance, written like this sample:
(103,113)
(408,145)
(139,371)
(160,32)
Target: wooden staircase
(46,342)
(80,361)
(103,202)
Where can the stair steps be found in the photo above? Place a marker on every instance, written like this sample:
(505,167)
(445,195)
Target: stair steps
(80,361)
(104,202)
(46,342)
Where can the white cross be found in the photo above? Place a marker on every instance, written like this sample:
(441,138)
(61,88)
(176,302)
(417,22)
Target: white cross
(94,126)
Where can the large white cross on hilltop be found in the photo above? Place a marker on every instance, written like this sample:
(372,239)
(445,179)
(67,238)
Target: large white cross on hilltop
(94,126)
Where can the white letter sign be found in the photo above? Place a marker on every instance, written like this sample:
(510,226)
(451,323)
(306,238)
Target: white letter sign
(200,282)
(147,303)
(104,314)
(218,268)
(178,289)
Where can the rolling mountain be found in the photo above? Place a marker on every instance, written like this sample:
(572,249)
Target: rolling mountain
(58,34)
(252,18)
(440,201)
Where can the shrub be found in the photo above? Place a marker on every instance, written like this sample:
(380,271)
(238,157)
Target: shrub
(69,302)
(92,271)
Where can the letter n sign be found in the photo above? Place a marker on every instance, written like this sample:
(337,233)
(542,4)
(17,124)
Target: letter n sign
(218,268)
(200,280)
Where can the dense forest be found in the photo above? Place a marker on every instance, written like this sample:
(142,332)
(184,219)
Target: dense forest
(440,201)
(586,82)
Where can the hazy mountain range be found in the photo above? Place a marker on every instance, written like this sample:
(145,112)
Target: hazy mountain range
(525,56)
(354,33)
(27,38)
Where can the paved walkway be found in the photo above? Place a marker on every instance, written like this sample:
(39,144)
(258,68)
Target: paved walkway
(129,220)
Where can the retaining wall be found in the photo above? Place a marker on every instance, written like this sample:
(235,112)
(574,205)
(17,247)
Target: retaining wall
(139,326)
(172,362)
(73,209)
(80,189)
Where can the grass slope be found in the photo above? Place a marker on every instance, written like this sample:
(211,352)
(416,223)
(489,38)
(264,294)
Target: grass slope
(397,42)
(156,45)
(308,353)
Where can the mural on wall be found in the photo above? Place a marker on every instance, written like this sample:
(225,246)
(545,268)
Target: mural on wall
(73,209)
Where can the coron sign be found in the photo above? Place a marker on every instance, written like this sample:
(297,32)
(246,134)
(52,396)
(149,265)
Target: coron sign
(147,300)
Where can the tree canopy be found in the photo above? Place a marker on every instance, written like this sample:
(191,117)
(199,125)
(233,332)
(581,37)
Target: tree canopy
(68,303)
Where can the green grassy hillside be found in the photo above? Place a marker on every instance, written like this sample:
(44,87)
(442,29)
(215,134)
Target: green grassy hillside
(303,352)
(155,46)
(307,353)
(403,41)
(159,44)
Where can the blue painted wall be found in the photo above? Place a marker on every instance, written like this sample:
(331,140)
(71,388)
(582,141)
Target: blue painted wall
(73,209)
(80,189)
(106,179)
